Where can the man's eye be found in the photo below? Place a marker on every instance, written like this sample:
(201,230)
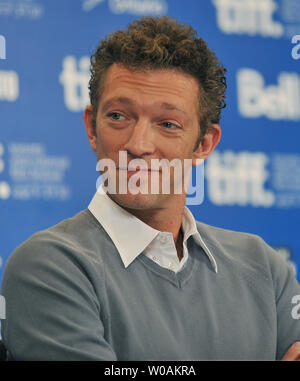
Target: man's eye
(169,125)
(115,115)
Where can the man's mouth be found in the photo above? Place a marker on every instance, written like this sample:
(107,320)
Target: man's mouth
(135,170)
(141,172)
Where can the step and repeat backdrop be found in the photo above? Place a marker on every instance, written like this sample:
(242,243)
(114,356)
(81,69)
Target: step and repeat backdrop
(47,169)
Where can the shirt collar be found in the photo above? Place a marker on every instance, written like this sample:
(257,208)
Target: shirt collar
(189,228)
(130,235)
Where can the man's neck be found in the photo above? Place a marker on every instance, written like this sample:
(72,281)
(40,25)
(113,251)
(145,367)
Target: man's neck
(172,225)
(179,245)
(164,219)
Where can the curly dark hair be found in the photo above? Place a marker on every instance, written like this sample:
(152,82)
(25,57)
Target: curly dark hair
(162,43)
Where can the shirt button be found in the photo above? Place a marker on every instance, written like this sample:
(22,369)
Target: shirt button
(154,259)
(171,266)
(163,239)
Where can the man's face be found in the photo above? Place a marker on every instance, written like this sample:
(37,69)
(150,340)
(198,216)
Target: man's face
(150,115)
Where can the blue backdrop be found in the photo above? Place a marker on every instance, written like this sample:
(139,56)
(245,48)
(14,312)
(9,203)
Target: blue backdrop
(47,169)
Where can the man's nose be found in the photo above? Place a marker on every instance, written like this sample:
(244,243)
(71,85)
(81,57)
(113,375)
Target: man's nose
(141,140)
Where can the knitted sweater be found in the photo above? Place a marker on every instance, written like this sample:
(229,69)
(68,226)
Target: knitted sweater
(69,297)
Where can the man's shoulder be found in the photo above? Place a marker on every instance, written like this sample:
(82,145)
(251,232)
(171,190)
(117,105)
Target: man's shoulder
(222,236)
(71,240)
(246,251)
(75,230)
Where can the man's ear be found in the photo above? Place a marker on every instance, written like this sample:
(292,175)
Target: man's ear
(207,144)
(87,119)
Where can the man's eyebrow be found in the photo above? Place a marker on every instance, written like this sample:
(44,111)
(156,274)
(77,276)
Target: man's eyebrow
(170,106)
(130,102)
(123,100)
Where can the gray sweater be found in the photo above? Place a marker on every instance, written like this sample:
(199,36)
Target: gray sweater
(69,297)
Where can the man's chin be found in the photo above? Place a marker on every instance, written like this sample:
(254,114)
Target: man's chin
(138,201)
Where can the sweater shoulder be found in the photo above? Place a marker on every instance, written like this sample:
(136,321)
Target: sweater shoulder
(228,238)
(76,240)
(246,251)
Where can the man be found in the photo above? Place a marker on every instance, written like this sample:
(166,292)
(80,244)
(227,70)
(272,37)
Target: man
(134,276)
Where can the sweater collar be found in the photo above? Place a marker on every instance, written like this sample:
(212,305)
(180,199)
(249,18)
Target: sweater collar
(130,235)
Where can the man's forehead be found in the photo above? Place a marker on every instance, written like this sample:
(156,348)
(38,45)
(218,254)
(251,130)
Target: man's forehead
(118,72)
(172,81)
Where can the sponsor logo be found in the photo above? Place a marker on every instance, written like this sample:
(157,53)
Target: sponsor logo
(4,187)
(34,174)
(134,7)
(254,179)
(238,179)
(285,179)
(251,17)
(289,12)
(75,79)
(9,86)
(28,9)
(2,48)
(276,102)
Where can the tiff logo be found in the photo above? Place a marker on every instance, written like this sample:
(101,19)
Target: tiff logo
(75,80)
(252,17)
(2,48)
(238,178)
(2,307)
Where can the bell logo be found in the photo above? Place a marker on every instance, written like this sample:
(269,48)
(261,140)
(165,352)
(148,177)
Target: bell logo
(252,17)
(276,102)
(2,48)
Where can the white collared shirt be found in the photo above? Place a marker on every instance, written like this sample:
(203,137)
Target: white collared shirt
(132,236)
